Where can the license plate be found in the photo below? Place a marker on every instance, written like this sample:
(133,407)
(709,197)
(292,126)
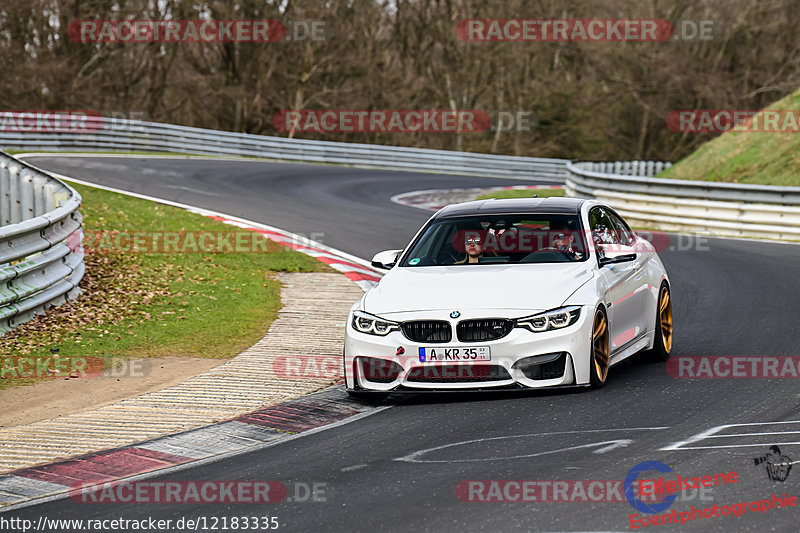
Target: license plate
(457,353)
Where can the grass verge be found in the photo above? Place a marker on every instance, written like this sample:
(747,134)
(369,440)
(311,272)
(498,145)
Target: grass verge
(766,158)
(158,304)
(522,193)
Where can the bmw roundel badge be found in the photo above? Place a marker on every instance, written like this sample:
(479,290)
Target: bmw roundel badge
(455,314)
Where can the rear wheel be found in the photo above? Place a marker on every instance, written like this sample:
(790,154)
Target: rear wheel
(600,350)
(662,345)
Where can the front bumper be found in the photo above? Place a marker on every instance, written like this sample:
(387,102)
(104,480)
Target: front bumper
(521,359)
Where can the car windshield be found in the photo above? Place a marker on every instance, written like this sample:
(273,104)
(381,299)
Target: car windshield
(493,239)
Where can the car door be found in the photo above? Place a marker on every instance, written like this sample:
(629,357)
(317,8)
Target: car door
(642,297)
(622,281)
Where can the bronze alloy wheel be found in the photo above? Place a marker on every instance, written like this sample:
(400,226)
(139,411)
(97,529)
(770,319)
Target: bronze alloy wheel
(600,349)
(665,318)
(662,340)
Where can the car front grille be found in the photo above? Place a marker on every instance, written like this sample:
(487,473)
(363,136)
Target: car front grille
(485,329)
(457,373)
(427,331)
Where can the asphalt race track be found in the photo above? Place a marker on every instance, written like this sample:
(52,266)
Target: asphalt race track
(731,298)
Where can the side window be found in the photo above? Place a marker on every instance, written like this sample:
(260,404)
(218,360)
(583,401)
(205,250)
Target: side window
(622,233)
(601,226)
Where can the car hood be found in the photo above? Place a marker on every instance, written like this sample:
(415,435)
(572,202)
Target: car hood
(535,287)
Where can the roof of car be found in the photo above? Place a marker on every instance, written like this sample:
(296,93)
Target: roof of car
(552,205)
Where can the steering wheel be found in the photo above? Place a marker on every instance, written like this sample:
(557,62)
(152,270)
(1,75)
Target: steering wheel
(555,254)
(454,259)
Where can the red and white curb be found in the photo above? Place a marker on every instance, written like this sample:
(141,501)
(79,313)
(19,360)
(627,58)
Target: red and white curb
(435,199)
(356,269)
(352,267)
(259,429)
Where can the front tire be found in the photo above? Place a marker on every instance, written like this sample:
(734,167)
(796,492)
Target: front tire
(662,344)
(598,366)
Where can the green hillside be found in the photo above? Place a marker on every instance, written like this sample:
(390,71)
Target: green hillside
(769,158)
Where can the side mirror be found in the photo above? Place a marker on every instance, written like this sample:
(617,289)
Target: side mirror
(386,259)
(616,253)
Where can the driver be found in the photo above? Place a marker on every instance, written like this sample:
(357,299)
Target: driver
(561,239)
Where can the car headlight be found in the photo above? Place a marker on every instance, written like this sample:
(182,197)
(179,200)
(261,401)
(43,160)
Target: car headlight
(366,323)
(555,319)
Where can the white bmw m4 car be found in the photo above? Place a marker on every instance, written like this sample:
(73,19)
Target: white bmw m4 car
(509,294)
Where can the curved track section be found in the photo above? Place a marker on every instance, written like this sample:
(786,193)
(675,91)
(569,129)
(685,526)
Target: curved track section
(405,468)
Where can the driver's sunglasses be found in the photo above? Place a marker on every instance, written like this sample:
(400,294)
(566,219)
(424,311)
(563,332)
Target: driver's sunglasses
(472,240)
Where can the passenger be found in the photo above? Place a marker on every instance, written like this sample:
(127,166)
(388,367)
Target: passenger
(473,243)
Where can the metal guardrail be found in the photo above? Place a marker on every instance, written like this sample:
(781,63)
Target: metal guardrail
(41,259)
(106,135)
(725,209)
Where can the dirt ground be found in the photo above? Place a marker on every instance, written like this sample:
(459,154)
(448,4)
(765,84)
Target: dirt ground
(63,396)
